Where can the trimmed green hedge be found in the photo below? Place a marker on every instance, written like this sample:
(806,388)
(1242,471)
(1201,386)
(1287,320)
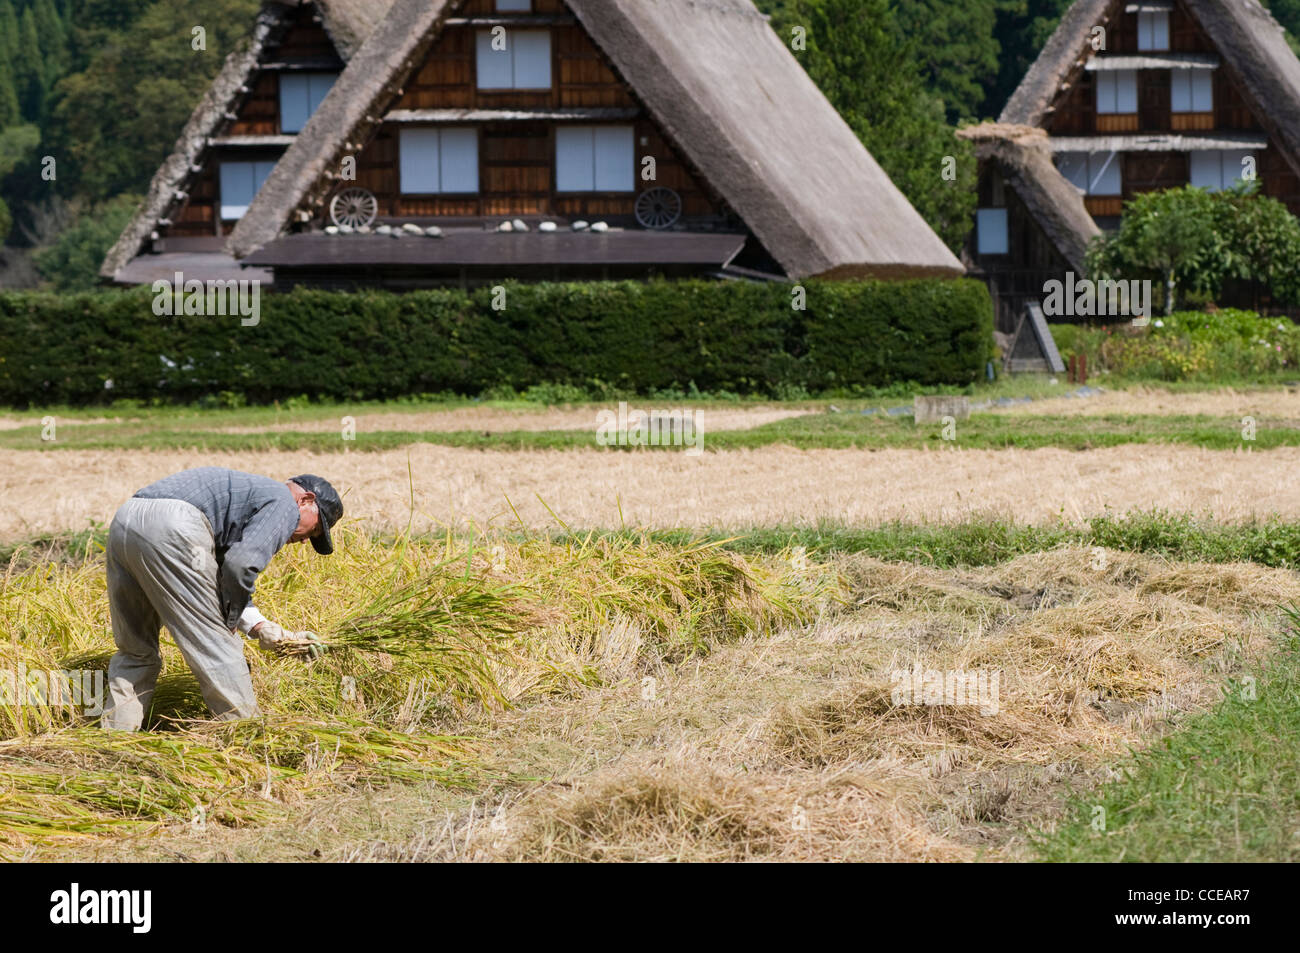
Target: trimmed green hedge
(639,337)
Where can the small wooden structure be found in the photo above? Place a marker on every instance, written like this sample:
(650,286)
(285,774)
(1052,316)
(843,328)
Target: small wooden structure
(1032,348)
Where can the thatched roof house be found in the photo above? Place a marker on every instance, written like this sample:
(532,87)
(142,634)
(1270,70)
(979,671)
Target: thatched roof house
(1023,158)
(308,35)
(1251,42)
(750,144)
(1130,96)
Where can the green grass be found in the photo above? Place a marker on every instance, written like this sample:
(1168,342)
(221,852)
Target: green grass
(820,431)
(1225,787)
(1182,537)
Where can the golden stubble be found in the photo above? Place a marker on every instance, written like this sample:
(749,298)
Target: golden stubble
(60,491)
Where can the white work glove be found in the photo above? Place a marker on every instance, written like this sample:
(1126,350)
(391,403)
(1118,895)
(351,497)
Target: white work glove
(273,638)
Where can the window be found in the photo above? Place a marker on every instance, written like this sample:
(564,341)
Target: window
(523,60)
(1117,91)
(1153,30)
(239,184)
(1192,91)
(991,227)
(514,6)
(1218,170)
(438,160)
(300,94)
(594,159)
(1096,173)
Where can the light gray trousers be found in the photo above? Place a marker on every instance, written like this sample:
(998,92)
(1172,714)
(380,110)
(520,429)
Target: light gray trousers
(162,570)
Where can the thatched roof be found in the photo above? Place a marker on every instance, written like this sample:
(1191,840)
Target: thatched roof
(349,22)
(726,92)
(1024,157)
(346,21)
(1250,41)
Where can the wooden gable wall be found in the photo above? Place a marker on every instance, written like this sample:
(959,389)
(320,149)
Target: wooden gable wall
(257,114)
(516,157)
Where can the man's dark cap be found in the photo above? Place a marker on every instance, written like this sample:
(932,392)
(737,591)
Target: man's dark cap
(330,506)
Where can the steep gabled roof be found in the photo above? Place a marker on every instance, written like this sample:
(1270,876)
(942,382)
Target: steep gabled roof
(1250,41)
(350,22)
(1024,158)
(726,92)
(346,21)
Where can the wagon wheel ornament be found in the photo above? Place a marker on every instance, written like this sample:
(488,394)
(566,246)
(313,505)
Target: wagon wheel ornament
(354,208)
(658,208)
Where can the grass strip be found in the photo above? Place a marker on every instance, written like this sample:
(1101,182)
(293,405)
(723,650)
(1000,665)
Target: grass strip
(1225,787)
(816,432)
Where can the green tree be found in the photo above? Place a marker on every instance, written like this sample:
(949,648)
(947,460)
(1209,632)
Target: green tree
(29,75)
(859,58)
(1022,29)
(154,68)
(54,40)
(72,262)
(955,47)
(1192,241)
(17,144)
(8,28)
(1263,242)
(10,113)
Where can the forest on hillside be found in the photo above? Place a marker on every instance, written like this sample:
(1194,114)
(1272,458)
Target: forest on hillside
(93,94)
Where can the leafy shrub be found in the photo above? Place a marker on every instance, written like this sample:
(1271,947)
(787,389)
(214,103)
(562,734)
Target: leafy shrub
(566,339)
(1189,345)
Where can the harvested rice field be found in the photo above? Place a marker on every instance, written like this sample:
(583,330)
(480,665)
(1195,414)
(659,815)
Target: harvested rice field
(589,655)
(755,719)
(455,487)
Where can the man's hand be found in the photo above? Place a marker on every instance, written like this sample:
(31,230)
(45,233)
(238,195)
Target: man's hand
(273,638)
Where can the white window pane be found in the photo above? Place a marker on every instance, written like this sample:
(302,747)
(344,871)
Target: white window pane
(238,187)
(1202,90)
(295,101)
(1104,174)
(459,160)
(574,159)
(1207,170)
(1074,166)
(615,159)
(1153,31)
(1126,91)
(1105,92)
(514,6)
(418,160)
(1180,91)
(261,170)
(494,66)
(991,225)
(1234,165)
(532,53)
(320,85)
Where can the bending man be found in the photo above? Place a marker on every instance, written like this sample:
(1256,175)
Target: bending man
(185,552)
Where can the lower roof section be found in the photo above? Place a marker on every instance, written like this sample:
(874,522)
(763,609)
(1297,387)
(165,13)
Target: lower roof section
(472,248)
(1160,142)
(193,265)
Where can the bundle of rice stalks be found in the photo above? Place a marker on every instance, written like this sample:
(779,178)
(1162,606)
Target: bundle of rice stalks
(454,627)
(685,599)
(90,782)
